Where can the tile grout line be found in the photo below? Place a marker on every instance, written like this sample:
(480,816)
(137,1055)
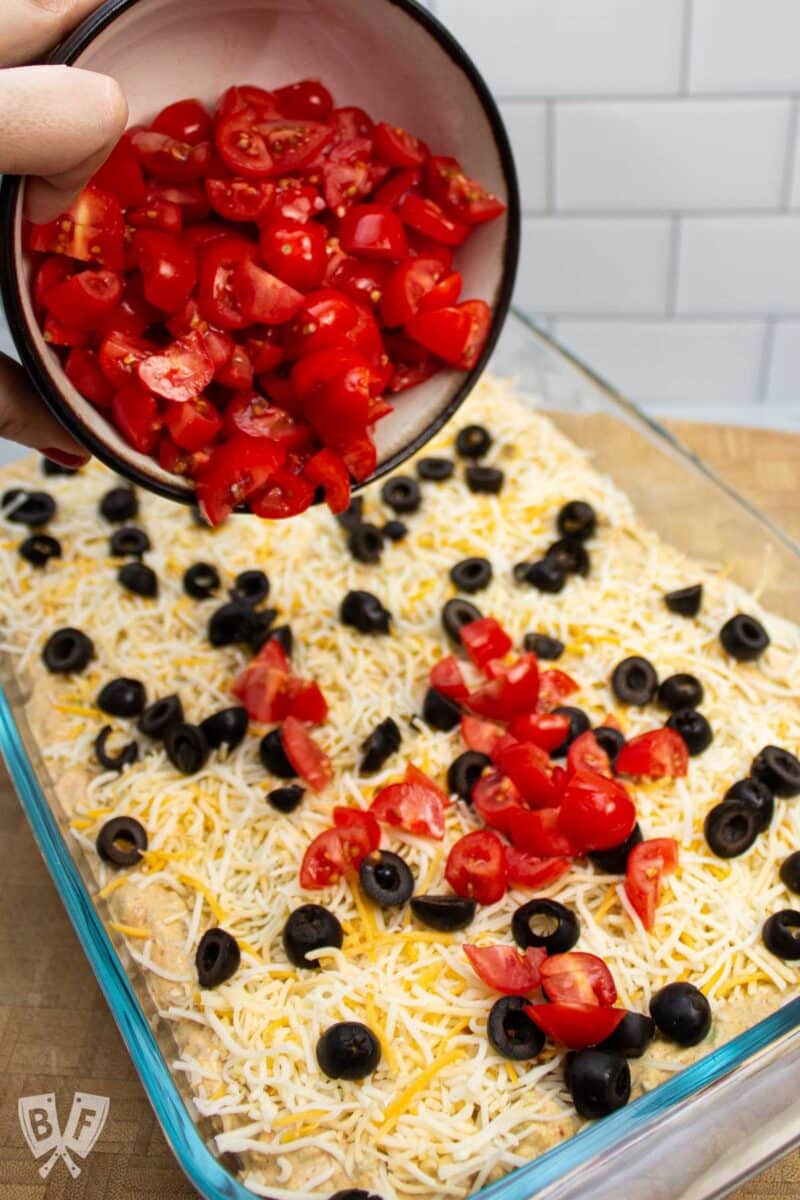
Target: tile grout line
(765,366)
(611,97)
(673,266)
(769,213)
(686,46)
(550,157)
(790,161)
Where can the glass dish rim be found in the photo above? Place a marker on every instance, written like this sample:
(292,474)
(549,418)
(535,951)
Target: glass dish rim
(192,1154)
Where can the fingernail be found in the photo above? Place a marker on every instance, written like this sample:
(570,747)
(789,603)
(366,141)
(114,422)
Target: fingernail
(65,460)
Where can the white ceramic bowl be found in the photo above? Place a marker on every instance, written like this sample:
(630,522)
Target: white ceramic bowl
(390,57)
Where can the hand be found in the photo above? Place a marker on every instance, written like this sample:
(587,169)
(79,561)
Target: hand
(60,124)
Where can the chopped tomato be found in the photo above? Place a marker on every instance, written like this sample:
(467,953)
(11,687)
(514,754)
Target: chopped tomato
(219,260)
(360,820)
(185,120)
(459,195)
(647,865)
(578,978)
(190,198)
(121,175)
(235,472)
(182,371)
(476,867)
(539,832)
(575,1026)
(398,147)
(246,97)
(308,759)
(285,495)
(484,640)
(83,371)
(511,693)
(169,159)
(308,100)
(327,470)
(417,284)
(194,425)
(398,185)
(430,219)
(548,731)
(331,855)
(373,231)
(250,413)
(263,346)
(457,334)
(157,214)
(295,201)
(596,813)
(415,805)
(119,357)
(447,678)
(92,230)
(554,687)
(326,321)
(529,870)
(528,768)
(58,334)
(507,969)
(168,269)
(305,701)
(659,754)
(240,199)
(295,251)
(497,801)
(53,271)
(263,298)
(262,685)
(480,735)
(236,372)
(84,300)
(361,280)
(351,122)
(292,144)
(586,753)
(136,416)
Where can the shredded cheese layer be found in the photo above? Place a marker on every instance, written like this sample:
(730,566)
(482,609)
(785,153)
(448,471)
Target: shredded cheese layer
(443,1114)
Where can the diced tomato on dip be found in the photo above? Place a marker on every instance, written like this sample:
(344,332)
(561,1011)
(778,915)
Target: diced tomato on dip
(244,242)
(646,867)
(596,813)
(359,821)
(308,759)
(532,871)
(659,754)
(415,804)
(507,969)
(577,978)
(575,1026)
(476,867)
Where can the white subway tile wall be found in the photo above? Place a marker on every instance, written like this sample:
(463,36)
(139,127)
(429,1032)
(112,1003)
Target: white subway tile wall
(658,145)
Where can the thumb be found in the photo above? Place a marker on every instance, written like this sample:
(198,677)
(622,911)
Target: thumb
(24,418)
(60,123)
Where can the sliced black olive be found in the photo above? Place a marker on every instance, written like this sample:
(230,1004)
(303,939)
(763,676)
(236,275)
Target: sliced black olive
(685,601)
(682,1013)
(137,578)
(680,691)
(365,543)
(731,828)
(632,1036)
(465,771)
(119,505)
(122,697)
(261,632)
(511,1031)
(634,681)
(49,467)
(129,542)
(273,756)
(231,1162)
(781,934)
(435,470)
(599,1082)
(352,515)
(29,508)
(440,712)
(38,549)
(286,799)
(310,927)
(615,860)
(395,531)
(577,519)
(348,1050)
(543,646)
(160,715)
(759,797)
(744,638)
(779,769)
(473,441)
(217,958)
(186,747)
(66,651)
(546,575)
(611,740)
(386,878)
(125,757)
(790,872)
(402,493)
(365,613)
(250,586)
(484,480)
(472,574)
(578,724)
(230,623)
(545,923)
(693,728)
(283,635)
(571,555)
(226,727)
(382,743)
(456,614)
(121,841)
(445,913)
(354,1194)
(201,580)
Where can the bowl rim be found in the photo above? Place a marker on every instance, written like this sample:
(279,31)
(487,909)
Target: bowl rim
(65,53)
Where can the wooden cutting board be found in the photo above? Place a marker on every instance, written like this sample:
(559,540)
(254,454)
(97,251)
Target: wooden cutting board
(56,1034)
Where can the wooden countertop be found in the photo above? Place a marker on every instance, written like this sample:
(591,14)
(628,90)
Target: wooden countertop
(56,1033)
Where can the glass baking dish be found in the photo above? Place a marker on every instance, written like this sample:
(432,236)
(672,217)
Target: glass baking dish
(708,1127)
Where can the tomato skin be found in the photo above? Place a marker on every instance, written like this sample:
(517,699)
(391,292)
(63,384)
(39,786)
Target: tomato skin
(309,761)
(331,855)
(305,701)
(219,261)
(528,768)
(586,753)
(121,175)
(186,121)
(446,677)
(261,686)
(480,735)
(91,230)
(326,321)
(596,813)
(263,298)
(52,271)
(459,195)
(307,100)
(497,801)
(548,731)
(484,640)
(538,832)
(327,470)
(456,334)
(531,871)
(430,219)
(507,969)
(190,198)
(84,300)
(119,356)
(351,122)
(252,414)
(575,1026)
(136,416)
(295,201)
(169,159)
(511,693)
(296,252)
(406,287)
(578,978)
(659,754)
(83,371)
(554,687)
(245,97)
(652,860)
(397,186)
(240,199)
(415,805)
(181,371)
(241,147)
(285,495)
(362,281)
(373,231)
(235,471)
(476,867)
(398,147)
(168,269)
(157,214)
(194,424)
(236,372)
